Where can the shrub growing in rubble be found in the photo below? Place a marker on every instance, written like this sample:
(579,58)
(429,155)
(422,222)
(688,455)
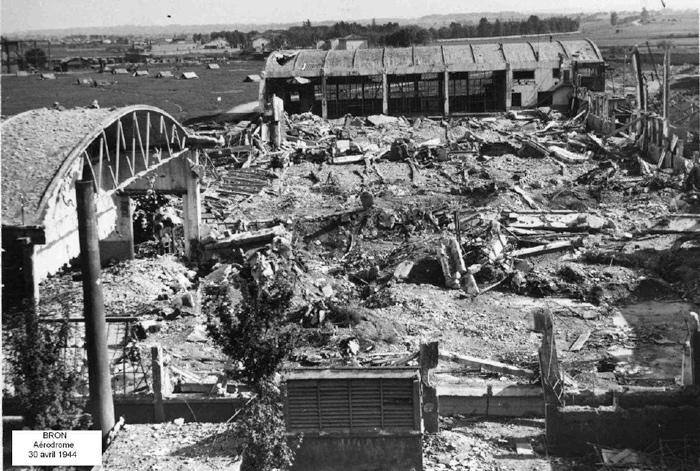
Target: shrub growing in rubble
(257,333)
(44,385)
(262,429)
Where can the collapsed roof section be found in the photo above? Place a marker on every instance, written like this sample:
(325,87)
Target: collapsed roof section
(426,59)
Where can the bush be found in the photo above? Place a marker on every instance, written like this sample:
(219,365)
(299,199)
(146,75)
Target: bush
(44,385)
(262,431)
(257,333)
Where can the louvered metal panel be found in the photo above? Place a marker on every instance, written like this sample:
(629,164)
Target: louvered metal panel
(352,404)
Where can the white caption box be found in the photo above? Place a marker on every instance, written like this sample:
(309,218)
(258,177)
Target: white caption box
(56,447)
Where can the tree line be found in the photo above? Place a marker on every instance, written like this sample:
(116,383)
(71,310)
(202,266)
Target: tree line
(391,34)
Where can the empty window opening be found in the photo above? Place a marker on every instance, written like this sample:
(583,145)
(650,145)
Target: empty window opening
(556,73)
(516,99)
(523,75)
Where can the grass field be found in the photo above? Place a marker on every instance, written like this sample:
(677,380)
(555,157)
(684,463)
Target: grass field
(184,99)
(681,28)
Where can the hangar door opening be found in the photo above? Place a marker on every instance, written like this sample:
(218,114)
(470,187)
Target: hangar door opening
(355,95)
(477,92)
(416,93)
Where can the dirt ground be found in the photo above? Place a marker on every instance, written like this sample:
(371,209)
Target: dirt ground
(463,444)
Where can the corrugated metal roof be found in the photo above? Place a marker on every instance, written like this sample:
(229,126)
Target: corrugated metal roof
(423,59)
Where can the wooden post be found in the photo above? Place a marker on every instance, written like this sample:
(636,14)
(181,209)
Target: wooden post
(158,382)
(428,358)
(552,381)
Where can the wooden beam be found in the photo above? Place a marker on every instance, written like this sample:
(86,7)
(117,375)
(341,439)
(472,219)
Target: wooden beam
(580,341)
(626,126)
(487,365)
(550,373)
(158,381)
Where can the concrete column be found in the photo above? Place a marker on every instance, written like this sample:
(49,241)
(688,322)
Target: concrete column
(191,202)
(446,105)
(119,244)
(31,281)
(385,94)
(101,402)
(667,91)
(509,86)
(324,97)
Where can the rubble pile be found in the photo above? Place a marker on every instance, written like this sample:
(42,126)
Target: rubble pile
(528,204)
(397,230)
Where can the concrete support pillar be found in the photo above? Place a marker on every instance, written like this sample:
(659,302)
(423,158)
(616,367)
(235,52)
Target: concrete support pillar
(101,402)
(509,87)
(31,280)
(446,104)
(324,97)
(119,244)
(191,203)
(385,94)
(667,91)
(641,96)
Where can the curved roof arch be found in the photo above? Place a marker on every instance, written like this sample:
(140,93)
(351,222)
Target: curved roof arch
(41,147)
(422,59)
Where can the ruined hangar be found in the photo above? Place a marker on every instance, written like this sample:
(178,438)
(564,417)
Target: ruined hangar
(433,80)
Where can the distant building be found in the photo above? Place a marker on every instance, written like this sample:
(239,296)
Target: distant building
(262,44)
(433,80)
(75,63)
(328,44)
(218,43)
(352,42)
(348,43)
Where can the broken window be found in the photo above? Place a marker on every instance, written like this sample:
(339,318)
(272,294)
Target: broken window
(516,99)
(556,73)
(523,75)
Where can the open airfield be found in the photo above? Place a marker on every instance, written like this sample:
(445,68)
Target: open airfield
(215,92)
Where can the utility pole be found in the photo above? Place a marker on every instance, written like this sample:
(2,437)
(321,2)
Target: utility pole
(101,401)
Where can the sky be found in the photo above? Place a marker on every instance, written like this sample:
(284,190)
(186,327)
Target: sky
(23,15)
